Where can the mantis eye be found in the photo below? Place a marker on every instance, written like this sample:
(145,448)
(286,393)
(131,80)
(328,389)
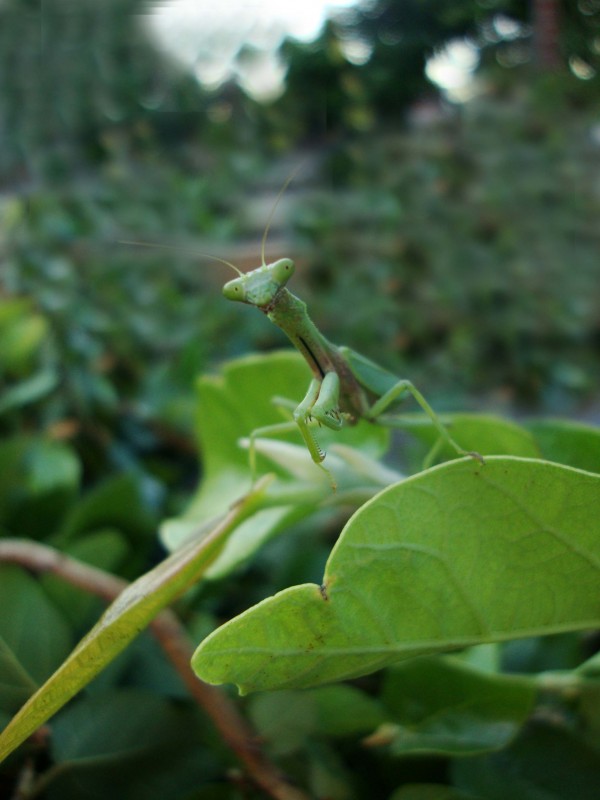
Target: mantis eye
(282,270)
(233,290)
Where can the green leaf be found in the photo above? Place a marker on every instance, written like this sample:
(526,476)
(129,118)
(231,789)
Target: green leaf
(288,719)
(21,334)
(135,608)
(119,504)
(51,465)
(560,651)
(38,479)
(110,739)
(28,390)
(458,555)
(30,625)
(439,705)
(251,535)
(544,763)
(231,406)
(346,711)
(16,685)
(567,442)
(284,720)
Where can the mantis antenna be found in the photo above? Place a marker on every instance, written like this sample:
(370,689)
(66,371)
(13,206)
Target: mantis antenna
(182,250)
(280,194)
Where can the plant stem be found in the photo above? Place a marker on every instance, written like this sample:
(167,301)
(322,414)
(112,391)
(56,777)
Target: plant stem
(172,637)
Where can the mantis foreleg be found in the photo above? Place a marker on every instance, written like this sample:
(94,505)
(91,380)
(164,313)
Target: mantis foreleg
(325,405)
(321,405)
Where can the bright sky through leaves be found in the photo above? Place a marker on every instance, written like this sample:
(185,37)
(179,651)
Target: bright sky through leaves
(238,39)
(206,37)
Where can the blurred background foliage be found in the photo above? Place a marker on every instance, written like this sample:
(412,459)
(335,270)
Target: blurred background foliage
(462,236)
(453,237)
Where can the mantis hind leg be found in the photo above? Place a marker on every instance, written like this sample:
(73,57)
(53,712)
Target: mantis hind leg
(403,387)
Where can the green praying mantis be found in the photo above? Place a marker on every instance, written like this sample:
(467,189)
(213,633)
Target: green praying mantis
(346,387)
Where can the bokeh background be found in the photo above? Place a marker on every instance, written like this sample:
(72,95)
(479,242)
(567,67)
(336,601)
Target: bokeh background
(444,215)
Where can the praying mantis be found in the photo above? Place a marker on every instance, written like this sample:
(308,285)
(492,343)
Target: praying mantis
(346,386)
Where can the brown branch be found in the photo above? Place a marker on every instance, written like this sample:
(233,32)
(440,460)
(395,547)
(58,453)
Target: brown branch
(172,637)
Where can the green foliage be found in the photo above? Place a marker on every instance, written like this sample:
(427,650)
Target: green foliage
(133,610)
(457,244)
(28,659)
(438,561)
(445,706)
(111,738)
(434,563)
(469,245)
(74,363)
(368,65)
(99,341)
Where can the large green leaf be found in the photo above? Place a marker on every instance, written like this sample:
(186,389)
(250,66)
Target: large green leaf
(458,555)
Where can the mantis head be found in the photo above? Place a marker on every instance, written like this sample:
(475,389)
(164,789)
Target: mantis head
(260,286)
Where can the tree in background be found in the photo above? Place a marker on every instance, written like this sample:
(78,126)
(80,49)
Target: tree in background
(546,27)
(80,81)
(368,64)
(396,38)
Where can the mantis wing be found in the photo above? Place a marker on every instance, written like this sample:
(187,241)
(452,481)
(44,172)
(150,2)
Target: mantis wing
(371,376)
